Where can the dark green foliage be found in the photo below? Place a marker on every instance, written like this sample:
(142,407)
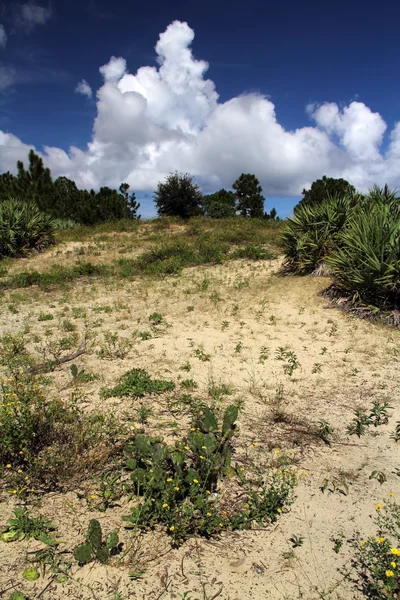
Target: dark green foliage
(250,202)
(23,227)
(178,196)
(220,205)
(313,232)
(62,199)
(176,486)
(137,383)
(253,253)
(323,189)
(95,547)
(367,261)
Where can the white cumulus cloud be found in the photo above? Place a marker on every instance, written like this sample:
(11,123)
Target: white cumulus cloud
(168,117)
(84,88)
(3,36)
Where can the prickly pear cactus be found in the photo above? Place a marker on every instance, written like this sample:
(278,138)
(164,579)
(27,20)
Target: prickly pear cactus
(83,553)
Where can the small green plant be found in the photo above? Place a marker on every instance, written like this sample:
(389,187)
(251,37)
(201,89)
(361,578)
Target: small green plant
(186,366)
(22,525)
(264,354)
(114,347)
(201,355)
(189,384)
(379,476)
(95,547)
(45,317)
(335,485)
(238,348)
(68,325)
(396,434)
(109,490)
(338,542)
(79,377)
(324,431)
(156,319)
(137,383)
(145,335)
(297,541)
(317,368)
(143,414)
(378,415)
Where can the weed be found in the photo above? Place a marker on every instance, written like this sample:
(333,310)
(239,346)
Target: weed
(396,435)
(376,559)
(137,383)
(297,541)
(143,414)
(325,431)
(264,354)
(338,542)
(317,368)
(379,476)
(335,485)
(201,355)
(156,319)
(114,347)
(189,384)
(22,525)
(45,317)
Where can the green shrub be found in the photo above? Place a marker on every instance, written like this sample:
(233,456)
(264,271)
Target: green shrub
(137,383)
(178,486)
(377,559)
(23,227)
(367,260)
(312,233)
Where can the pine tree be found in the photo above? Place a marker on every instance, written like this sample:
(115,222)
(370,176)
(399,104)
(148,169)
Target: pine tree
(250,202)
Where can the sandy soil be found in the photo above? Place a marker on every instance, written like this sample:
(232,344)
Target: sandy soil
(241,310)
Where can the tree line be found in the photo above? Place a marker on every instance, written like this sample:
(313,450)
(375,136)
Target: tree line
(179,196)
(62,199)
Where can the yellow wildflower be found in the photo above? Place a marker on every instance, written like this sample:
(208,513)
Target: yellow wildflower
(389,573)
(390,494)
(201,457)
(242,468)
(395,551)
(362,543)
(276,451)
(172,528)
(279,510)
(165,505)
(378,507)
(8,466)
(204,447)
(208,492)
(150,470)
(221,525)
(177,488)
(14,491)
(208,514)
(195,481)
(169,479)
(186,447)
(92,497)
(254,444)
(380,540)
(393,564)
(192,429)
(19,471)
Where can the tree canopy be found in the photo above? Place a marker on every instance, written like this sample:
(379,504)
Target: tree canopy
(250,202)
(178,196)
(220,205)
(322,189)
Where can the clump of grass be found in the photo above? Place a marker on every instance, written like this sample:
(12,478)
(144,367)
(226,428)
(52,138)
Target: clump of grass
(137,383)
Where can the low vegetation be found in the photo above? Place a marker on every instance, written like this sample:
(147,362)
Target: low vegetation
(178,420)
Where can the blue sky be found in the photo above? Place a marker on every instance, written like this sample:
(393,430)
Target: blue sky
(286,55)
